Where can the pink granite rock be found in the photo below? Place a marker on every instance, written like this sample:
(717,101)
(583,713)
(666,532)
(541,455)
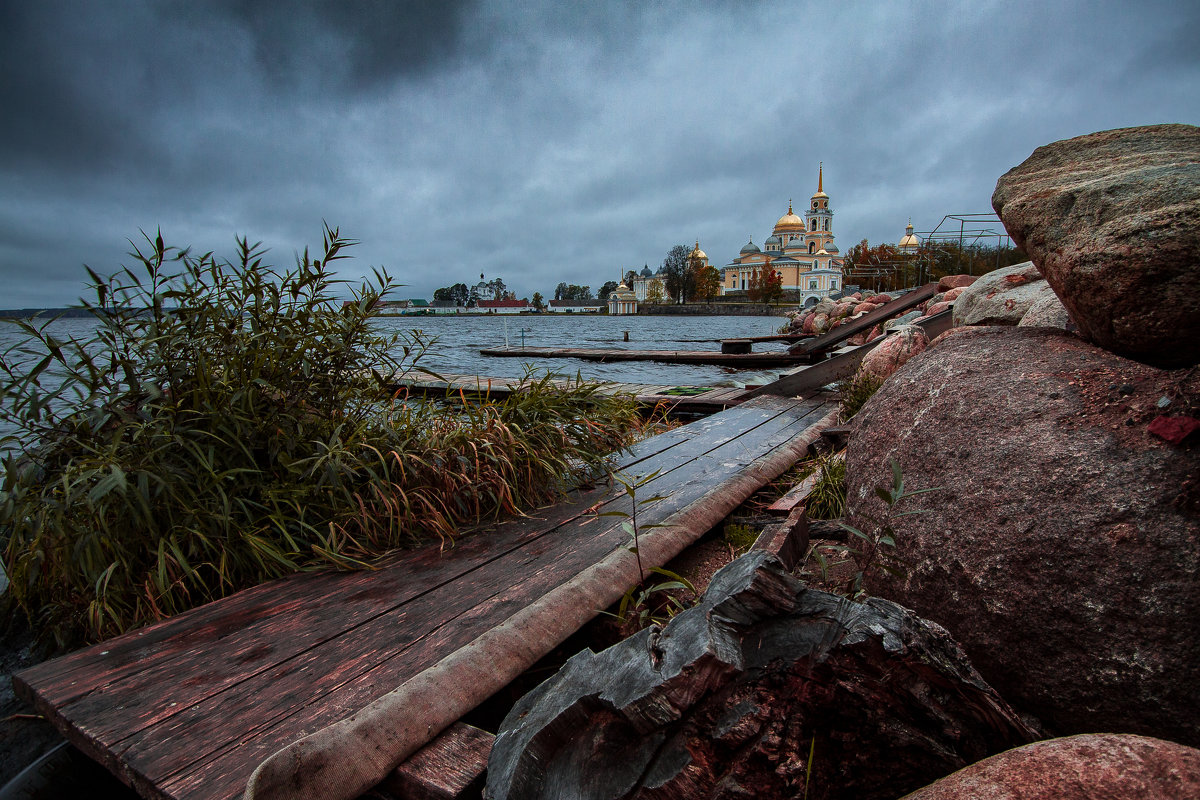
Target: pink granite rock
(1087,767)
(1112,219)
(955,281)
(1061,548)
(1001,297)
(865,308)
(904,343)
(937,308)
(950,295)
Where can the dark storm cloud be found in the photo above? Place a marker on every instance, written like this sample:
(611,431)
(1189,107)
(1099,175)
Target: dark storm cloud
(539,142)
(369,42)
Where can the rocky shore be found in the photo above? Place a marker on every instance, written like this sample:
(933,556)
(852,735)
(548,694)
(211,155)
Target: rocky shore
(1039,640)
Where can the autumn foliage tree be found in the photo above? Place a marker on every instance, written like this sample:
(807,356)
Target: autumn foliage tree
(766,285)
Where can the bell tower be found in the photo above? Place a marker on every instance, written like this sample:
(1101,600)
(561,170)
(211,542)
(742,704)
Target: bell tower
(818,218)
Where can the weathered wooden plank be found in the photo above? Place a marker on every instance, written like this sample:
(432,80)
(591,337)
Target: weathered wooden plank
(540,573)
(451,767)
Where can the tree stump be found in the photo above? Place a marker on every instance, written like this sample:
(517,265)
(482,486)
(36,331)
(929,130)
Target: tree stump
(766,689)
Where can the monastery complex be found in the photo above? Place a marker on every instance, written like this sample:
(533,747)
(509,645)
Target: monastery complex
(800,250)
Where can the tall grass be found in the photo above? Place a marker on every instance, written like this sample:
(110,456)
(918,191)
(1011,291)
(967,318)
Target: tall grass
(227,424)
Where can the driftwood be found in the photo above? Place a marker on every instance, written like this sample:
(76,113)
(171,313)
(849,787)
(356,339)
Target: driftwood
(766,689)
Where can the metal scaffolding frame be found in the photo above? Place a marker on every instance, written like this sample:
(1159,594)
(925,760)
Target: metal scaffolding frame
(974,230)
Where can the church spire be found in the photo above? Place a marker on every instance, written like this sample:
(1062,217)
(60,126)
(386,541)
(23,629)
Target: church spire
(820,177)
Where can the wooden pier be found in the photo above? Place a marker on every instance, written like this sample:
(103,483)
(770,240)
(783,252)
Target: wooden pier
(714,358)
(333,679)
(672,399)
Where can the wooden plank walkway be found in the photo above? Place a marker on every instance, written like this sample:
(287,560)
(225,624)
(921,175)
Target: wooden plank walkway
(189,707)
(705,357)
(681,399)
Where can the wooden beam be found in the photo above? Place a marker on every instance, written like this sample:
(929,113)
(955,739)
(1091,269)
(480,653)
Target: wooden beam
(788,540)
(451,767)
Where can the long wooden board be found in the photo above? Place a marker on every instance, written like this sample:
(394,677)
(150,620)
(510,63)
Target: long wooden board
(708,357)
(187,708)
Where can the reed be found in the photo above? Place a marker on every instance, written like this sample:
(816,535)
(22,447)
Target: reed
(227,424)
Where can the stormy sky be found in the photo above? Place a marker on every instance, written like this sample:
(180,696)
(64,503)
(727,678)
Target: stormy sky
(538,142)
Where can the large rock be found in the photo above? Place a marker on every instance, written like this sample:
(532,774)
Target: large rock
(732,696)
(1087,767)
(1113,221)
(999,297)
(890,354)
(1061,548)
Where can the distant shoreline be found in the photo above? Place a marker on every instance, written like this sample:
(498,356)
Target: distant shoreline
(690,309)
(29,313)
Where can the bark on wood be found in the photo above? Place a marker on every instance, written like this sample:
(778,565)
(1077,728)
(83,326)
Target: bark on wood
(730,699)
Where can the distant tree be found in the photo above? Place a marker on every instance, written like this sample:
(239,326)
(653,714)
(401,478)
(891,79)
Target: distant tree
(573,292)
(705,280)
(630,277)
(655,292)
(539,302)
(458,293)
(675,269)
(771,285)
(708,283)
(608,288)
(499,290)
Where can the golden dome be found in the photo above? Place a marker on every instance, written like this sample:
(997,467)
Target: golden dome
(910,242)
(697,253)
(789,221)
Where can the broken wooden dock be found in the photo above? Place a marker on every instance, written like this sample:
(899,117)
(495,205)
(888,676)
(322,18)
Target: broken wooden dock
(672,399)
(714,358)
(377,662)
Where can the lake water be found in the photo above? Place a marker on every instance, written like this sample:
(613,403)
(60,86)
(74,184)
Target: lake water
(459,340)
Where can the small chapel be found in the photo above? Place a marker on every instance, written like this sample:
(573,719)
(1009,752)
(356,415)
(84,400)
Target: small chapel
(801,251)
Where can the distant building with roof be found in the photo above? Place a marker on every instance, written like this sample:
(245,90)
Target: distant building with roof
(643,282)
(622,300)
(801,251)
(502,306)
(909,243)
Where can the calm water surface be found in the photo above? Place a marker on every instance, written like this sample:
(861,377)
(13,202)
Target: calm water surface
(459,340)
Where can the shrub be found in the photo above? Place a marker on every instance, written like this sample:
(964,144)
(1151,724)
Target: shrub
(827,500)
(226,424)
(856,391)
